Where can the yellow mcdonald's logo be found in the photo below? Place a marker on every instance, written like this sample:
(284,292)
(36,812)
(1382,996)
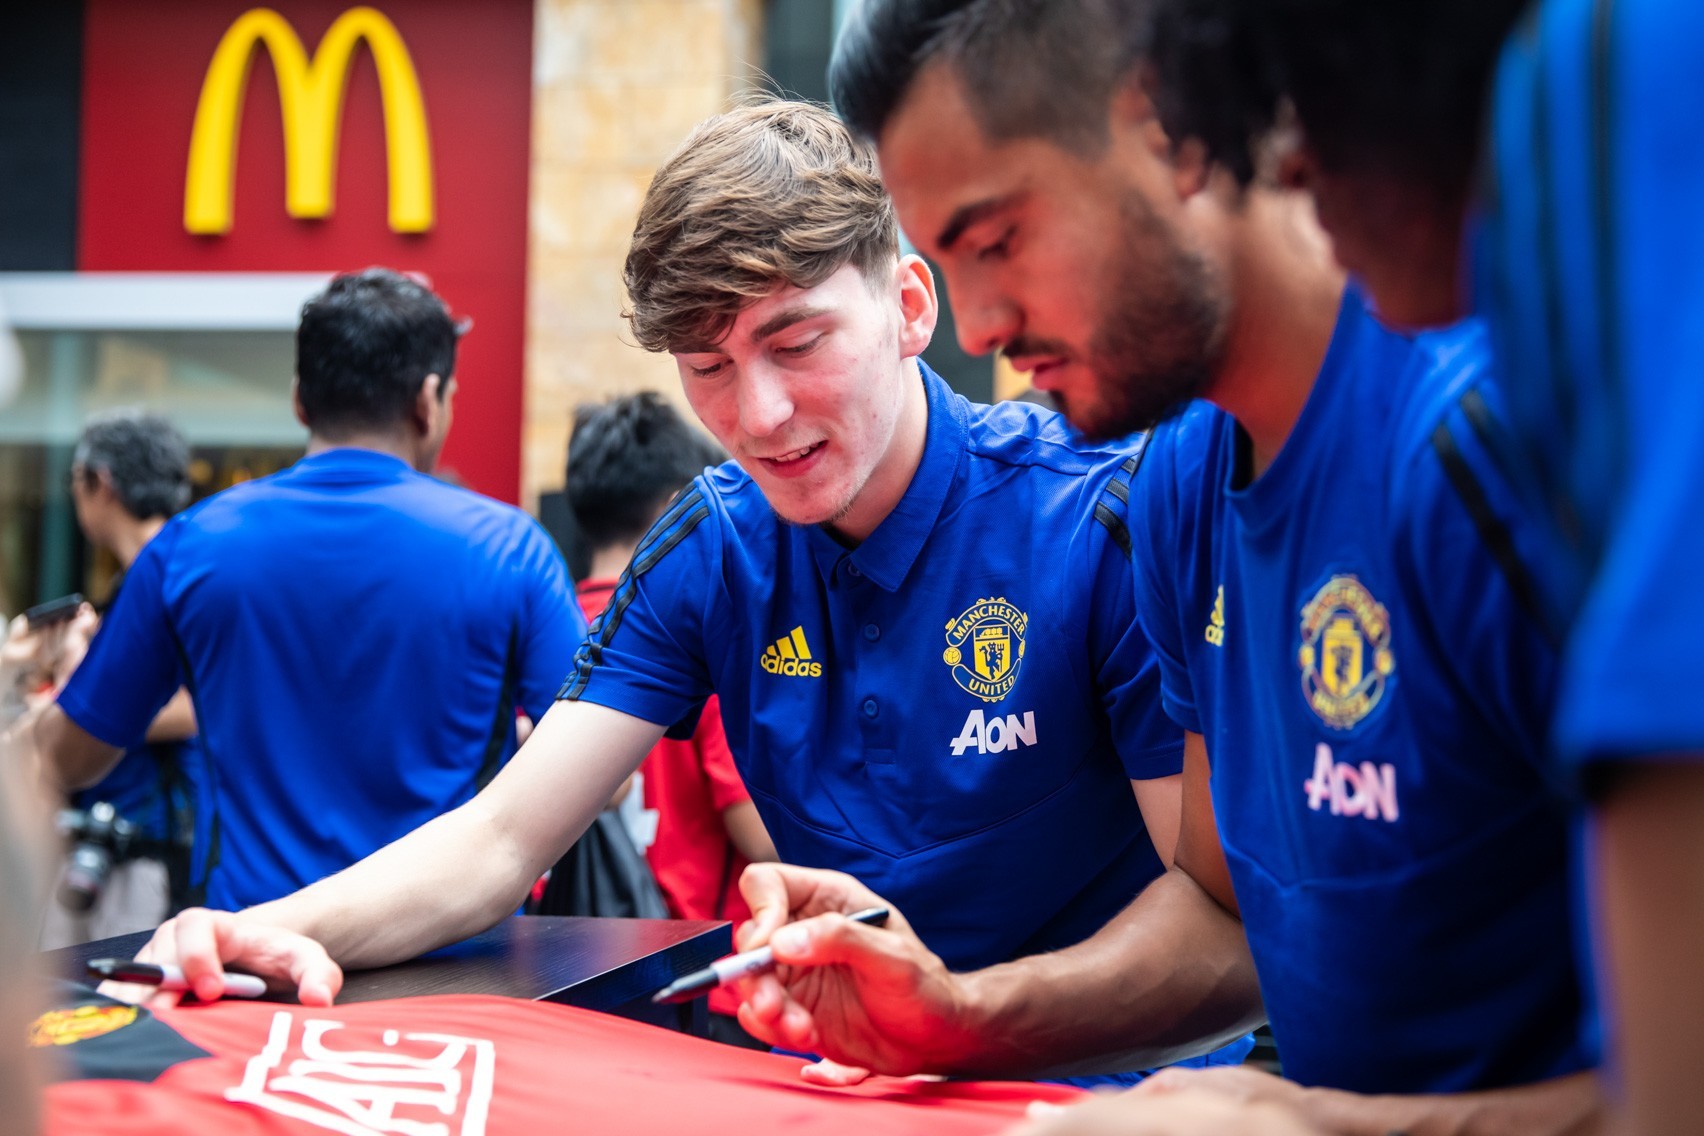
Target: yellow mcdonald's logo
(310,92)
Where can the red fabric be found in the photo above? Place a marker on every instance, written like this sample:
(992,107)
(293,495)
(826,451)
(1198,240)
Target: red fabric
(483,1066)
(690,783)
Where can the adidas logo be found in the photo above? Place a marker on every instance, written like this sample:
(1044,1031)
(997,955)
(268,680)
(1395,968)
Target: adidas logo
(789,655)
(1216,620)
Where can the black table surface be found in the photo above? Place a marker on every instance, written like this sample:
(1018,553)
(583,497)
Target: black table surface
(613,965)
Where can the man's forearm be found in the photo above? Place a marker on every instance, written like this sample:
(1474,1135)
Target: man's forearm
(1171,976)
(462,872)
(450,878)
(1565,1106)
(70,755)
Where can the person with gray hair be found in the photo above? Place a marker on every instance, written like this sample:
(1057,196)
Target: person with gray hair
(129,473)
(129,476)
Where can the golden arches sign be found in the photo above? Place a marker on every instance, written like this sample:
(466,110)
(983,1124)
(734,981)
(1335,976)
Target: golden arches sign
(310,93)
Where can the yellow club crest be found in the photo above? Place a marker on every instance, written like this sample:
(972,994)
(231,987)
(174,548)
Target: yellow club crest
(67,1027)
(985,645)
(1345,656)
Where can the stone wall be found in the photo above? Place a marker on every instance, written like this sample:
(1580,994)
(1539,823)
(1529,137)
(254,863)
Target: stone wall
(616,86)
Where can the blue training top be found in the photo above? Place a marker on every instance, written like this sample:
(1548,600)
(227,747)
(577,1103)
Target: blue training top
(1591,275)
(356,636)
(1344,633)
(952,711)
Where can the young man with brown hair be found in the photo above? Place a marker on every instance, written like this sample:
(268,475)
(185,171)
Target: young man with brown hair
(917,612)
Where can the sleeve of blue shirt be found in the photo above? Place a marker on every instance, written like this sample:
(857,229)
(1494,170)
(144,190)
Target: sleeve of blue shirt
(1630,688)
(1126,672)
(645,655)
(132,669)
(1155,509)
(551,622)
(1463,543)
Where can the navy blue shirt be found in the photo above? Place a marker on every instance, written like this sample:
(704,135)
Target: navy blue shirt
(1591,275)
(152,787)
(1372,697)
(356,636)
(952,711)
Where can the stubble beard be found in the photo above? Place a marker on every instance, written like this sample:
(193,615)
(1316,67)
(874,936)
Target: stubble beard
(1159,342)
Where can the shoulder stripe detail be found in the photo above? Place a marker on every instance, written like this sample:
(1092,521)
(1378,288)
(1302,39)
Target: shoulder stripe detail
(1119,487)
(1498,540)
(1603,177)
(1114,525)
(683,503)
(1491,434)
(590,654)
(1562,392)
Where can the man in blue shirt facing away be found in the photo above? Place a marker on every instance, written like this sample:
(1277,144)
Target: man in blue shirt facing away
(916,612)
(356,634)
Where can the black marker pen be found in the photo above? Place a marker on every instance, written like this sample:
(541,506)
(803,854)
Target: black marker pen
(168,977)
(761,961)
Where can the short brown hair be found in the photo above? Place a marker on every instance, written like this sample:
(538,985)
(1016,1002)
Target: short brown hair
(761,197)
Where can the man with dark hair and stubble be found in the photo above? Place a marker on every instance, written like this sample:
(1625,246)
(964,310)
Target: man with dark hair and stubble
(627,459)
(1332,571)
(355,633)
(1550,159)
(916,611)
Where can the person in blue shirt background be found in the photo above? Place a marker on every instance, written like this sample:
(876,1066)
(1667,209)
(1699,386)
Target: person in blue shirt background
(355,633)
(916,612)
(1320,564)
(1549,158)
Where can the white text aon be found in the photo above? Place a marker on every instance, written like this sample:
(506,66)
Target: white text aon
(996,734)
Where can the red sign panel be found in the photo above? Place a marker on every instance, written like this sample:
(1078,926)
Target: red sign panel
(144,69)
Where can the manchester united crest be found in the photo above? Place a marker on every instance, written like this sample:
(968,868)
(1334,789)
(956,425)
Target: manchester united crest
(985,646)
(66,1027)
(1345,656)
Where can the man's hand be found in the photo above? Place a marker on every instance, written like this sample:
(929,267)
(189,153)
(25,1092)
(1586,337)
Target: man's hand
(20,651)
(201,942)
(868,997)
(1239,1084)
(1168,1112)
(70,644)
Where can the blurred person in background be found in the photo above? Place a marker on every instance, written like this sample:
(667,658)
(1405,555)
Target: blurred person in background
(24,812)
(626,460)
(129,475)
(355,633)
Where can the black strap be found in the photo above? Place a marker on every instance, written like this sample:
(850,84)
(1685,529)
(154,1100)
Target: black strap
(504,721)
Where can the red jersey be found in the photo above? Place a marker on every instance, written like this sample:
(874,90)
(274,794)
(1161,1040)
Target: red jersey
(465,1065)
(690,783)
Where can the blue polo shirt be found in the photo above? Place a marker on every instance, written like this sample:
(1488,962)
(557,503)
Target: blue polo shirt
(356,636)
(952,711)
(1346,634)
(1591,274)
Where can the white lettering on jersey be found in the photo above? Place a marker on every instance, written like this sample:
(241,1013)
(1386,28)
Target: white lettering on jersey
(996,734)
(1369,791)
(411,1084)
